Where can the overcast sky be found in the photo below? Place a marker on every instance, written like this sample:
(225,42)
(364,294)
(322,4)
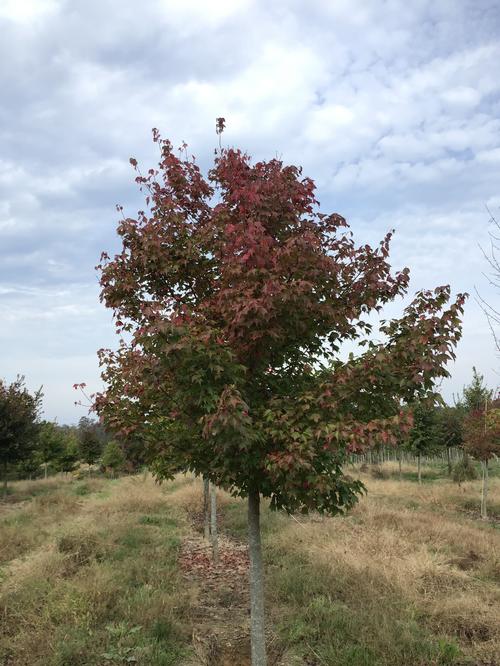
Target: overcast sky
(392,107)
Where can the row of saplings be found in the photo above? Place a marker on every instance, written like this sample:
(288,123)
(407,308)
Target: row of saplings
(461,435)
(31,447)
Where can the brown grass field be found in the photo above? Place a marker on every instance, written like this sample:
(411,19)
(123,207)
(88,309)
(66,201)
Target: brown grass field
(116,571)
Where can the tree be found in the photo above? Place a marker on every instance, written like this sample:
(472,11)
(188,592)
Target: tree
(70,454)
(475,395)
(113,457)
(482,440)
(232,312)
(474,400)
(423,436)
(19,411)
(89,441)
(28,467)
(49,444)
(450,430)
(463,470)
(134,451)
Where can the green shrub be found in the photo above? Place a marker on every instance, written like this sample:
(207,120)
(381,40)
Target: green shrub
(464,470)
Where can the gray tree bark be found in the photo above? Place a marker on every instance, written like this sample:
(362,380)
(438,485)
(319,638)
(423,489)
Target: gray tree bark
(419,469)
(206,509)
(258,636)
(484,493)
(213,524)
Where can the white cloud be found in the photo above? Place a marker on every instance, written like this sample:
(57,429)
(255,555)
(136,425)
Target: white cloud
(26,11)
(191,15)
(392,107)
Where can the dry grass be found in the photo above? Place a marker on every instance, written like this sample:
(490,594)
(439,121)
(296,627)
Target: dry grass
(411,576)
(89,580)
(447,567)
(407,577)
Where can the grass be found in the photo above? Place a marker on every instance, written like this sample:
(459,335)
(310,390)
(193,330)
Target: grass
(89,574)
(406,578)
(91,577)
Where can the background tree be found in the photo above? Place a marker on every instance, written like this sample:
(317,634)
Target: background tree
(482,440)
(236,295)
(423,437)
(70,455)
(90,441)
(113,457)
(29,467)
(133,449)
(475,395)
(19,411)
(49,444)
(449,421)
(474,399)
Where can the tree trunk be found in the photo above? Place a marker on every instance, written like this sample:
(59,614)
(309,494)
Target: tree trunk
(400,471)
(4,492)
(45,466)
(206,508)
(258,636)
(448,458)
(419,469)
(484,493)
(213,523)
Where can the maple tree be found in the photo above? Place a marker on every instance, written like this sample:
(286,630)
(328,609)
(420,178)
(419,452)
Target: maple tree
(232,296)
(482,441)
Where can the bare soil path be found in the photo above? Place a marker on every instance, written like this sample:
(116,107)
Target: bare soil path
(221,621)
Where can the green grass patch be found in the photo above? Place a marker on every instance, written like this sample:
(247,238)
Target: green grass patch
(157,520)
(102,594)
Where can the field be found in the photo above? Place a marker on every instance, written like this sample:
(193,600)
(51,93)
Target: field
(105,571)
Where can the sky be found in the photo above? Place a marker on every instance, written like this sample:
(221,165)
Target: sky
(392,107)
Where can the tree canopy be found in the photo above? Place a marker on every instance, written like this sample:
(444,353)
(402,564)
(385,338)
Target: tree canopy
(89,440)
(475,395)
(482,432)
(50,442)
(19,410)
(112,456)
(424,435)
(233,296)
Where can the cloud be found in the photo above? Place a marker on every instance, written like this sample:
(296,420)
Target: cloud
(28,11)
(392,107)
